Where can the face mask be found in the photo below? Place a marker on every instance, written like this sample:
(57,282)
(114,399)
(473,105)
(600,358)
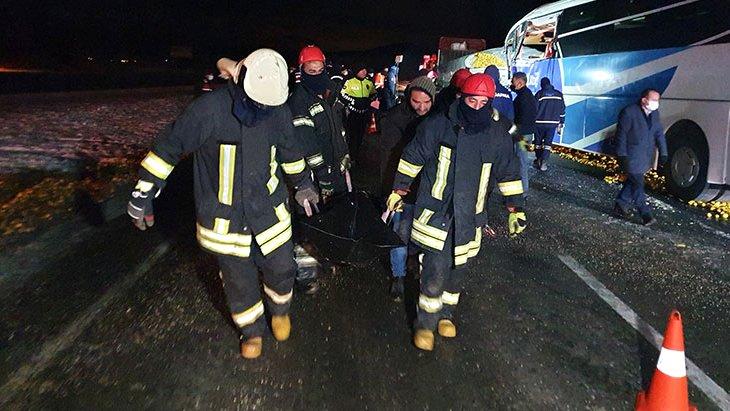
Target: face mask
(317,83)
(473,120)
(652,105)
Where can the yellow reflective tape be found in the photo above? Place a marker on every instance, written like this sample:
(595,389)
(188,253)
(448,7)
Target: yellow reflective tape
(277,241)
(428,304)
(427,241)
(302,121)
(426,215)
(276,297)
(469,250)
(281,212)
(221,226)
(157,166)
(442,173)
(278,234)
(249,316)
(226,167)
(483,183)
(273,165)
(229,238)
(450,298)
(144,186)
(409,169)
(511,188)
(226,249)
(315,160)
(295,167)
(431,231)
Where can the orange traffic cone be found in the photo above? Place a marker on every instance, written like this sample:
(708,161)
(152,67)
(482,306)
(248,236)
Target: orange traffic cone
(668,388)
(372,127)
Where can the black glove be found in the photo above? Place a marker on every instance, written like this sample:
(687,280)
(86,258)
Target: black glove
(140,205)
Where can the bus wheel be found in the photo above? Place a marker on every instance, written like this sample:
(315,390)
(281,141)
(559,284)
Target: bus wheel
(688,160)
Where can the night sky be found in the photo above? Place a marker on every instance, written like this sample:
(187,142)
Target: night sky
(63,32)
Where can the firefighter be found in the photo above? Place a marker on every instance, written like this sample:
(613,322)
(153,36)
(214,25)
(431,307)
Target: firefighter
(241,137)
(550,118)
(357,93)
(460,156)
(317,118)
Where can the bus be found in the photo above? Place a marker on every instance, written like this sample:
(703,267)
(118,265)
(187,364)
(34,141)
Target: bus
(602,53)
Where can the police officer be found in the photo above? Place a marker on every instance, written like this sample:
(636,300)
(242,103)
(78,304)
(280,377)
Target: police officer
(638,134)
(241,137)
(460,155)
(357,93)
(550,118)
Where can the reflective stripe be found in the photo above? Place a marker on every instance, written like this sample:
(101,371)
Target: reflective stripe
(226,167)
(450,298)
(273,180)
(547,122)
(302,121)
(278,234)
(671,363)
(225,249)
(315,160)
(425,216)
(550,98)
(315,109)
(294,167)
(511,188)
(426,240)
(442,173)
(278,298)
(224,243)
(495,114)
(483,183)
(157,166)
(431,231)
(409,169)
(429,304)
(463,253)
(144,186)
(249,316)
(513,129)
(221,226)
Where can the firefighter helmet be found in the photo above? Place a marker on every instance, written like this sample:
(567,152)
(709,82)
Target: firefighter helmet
(311,53)
(266,78)
(479,84)
(459,76)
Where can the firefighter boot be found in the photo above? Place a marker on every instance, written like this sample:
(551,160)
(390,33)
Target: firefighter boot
(423,339)
(447,328)
(281,327)
(251,348)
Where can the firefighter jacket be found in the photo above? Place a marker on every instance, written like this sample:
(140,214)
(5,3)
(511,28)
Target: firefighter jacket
(318,127)
(458,170)
(240,196)
(550,107)
(357,94)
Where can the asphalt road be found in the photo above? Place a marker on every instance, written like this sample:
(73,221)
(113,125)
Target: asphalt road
(132,320)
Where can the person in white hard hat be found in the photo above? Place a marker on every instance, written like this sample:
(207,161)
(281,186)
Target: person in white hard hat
(242,140)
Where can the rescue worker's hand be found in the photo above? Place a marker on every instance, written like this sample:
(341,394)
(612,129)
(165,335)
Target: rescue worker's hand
(522,144)
(326,189)
(395,201)
(140,205)
(307,198)
(517,222)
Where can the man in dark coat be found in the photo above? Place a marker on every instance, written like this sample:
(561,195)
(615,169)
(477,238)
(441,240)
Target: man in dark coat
(638,134)
(550,118)
(502,97)
(397,128)
(525,106)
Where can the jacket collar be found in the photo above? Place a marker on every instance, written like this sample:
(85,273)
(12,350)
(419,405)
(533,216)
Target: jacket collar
(451,114)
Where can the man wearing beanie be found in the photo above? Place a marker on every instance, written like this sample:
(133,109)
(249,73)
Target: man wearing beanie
(398,126)
(502,97)
(550,118)
(460,156)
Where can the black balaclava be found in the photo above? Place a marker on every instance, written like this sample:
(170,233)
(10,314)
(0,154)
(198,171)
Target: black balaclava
(474,121)
(247,111)
(317,83)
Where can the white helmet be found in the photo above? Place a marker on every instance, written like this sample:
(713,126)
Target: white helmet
(266,80)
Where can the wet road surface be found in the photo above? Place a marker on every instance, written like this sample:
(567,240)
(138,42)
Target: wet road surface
(102,329)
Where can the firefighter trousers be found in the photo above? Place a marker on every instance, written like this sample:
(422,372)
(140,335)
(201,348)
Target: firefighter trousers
(240,278)
(441,283)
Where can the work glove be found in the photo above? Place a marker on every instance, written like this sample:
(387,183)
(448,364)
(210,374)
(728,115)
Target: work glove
(517,222)
(522,143)
(139,206)
(395,201)
(308,199)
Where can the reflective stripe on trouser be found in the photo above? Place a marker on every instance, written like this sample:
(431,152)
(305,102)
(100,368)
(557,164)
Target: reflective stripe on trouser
(240,278)
(440,286)
(544,136)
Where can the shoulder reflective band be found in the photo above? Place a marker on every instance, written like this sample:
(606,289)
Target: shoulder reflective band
(226,167)
(276,297)
(315,160)
(409,169)
(273,165)
(483,184)
(428,304)
(302,121)
(294,167)
(249,316)
(315,109)
(671,363)
(450,298)
(157,166)
(278,234)
(511,188)
(442,173)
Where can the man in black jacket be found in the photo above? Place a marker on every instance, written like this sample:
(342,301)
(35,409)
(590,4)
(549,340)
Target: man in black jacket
(525,106)
(241,138)
(397,128)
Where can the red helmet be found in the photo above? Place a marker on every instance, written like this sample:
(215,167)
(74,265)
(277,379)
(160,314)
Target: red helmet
(479,84)
(310,53)
(459,76)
